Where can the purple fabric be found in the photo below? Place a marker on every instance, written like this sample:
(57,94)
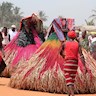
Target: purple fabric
(57,27)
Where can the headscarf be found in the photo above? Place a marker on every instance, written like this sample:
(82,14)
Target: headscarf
(72,34)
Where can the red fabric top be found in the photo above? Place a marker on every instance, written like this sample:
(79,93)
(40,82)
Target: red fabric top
(71,50)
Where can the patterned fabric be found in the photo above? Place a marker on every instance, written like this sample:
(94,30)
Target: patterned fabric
(25,39)
(70,69)
(26,36)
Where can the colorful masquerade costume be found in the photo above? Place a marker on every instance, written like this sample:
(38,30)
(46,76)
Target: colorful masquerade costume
(44,70)
(71,61)
(23,45)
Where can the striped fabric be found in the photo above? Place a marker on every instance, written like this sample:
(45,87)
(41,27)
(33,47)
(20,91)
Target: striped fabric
(70,69)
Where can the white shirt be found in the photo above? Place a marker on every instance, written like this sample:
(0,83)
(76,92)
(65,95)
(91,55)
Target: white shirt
(93,40)
(80,34)
(12,34)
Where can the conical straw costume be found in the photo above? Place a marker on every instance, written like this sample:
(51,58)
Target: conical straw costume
(15,53)
(44,70)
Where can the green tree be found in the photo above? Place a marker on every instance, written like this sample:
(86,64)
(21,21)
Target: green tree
(91,22)
(43,16)
(17,15)
(93,16)
(9,14)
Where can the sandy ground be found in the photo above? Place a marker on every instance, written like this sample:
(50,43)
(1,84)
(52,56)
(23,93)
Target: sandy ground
(7,91)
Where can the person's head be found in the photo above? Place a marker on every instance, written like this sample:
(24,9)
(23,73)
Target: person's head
(13,27)
(72,35)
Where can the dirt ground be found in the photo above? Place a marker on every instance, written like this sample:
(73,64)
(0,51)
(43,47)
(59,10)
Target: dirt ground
(7,91)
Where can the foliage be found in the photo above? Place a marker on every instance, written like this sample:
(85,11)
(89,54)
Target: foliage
(42,15)
(91,22)
(93,16)
(93,19)
(9,14)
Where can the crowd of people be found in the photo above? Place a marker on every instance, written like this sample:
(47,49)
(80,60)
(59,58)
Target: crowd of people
(88,41)
(52,60)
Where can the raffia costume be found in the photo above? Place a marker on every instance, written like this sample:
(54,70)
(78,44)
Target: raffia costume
(23,45)
(44,71)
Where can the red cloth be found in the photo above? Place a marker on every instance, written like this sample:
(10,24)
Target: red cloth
(71,61)
(71,50)
(72,34)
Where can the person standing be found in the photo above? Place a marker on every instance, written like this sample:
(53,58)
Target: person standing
(5,36)
(84,40)
(93,47)
(12,32)
(69,52)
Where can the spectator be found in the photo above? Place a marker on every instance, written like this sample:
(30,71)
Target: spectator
(12,32)
(5,36)
(93,47)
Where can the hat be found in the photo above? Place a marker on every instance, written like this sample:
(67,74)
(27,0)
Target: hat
(13,26)
(72,34)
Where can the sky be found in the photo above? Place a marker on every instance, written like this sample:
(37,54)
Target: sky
(77,9)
